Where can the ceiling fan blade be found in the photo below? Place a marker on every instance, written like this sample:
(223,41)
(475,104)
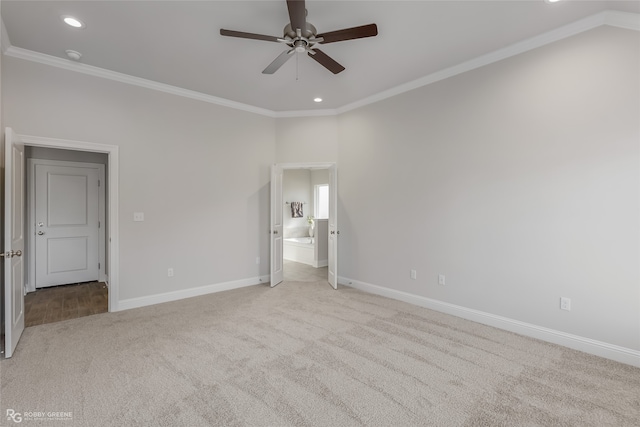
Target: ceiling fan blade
(326,61)
(297,14)
(242,35)
(278,62)
(349,34)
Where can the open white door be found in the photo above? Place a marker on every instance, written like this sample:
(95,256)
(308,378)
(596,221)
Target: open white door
(333,226)
(13,241)
(277,271)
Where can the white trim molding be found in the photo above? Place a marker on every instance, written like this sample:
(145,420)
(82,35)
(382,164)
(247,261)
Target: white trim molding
(5,43)
(613,18)
(627,20)
(190,293)
(587,345)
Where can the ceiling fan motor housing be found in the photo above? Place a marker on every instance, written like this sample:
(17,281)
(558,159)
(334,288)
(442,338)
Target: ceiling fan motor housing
(307,33)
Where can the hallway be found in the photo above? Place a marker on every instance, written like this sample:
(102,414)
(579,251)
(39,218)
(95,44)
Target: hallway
(48,305)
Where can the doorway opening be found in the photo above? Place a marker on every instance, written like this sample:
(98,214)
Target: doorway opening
(101,294)
(303,223)
(65,250)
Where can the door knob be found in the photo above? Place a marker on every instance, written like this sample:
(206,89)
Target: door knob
(275,231)
(40,233)
(11,254)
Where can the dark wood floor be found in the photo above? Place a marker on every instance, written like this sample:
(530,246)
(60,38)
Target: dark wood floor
(48,305)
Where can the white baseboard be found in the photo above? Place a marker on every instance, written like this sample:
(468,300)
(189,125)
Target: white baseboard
(587,345)
(321,263)
(189,293)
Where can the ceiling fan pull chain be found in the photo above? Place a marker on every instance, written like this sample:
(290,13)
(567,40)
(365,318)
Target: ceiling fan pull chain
(297,57)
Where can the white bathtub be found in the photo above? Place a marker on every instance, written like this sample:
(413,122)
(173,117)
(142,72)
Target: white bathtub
(299,249)
(307,250)
(303,240)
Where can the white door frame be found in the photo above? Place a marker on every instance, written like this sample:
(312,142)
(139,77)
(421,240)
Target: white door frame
(112,217)
(30,283)
(313,165)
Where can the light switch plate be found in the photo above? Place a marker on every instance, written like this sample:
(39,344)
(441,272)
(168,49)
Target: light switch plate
(138,216)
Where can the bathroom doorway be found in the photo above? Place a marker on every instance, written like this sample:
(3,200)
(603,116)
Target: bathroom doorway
(304,223)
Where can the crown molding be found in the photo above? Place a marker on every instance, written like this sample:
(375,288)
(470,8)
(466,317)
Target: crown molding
(67,64)
(305,113)
(5,43)
(626,20)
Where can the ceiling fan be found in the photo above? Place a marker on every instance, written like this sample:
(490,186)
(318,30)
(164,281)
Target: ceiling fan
(300,36)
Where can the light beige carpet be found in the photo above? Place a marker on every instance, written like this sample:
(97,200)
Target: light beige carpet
(302,354)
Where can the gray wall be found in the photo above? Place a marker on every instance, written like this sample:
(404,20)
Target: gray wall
(199,172)
(307,139)
(519,181)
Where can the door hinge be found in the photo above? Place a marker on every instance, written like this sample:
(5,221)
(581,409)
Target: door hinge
(99,225)
(98,266)
(98,183)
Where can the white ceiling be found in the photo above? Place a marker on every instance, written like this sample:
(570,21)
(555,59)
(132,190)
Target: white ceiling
(178,42)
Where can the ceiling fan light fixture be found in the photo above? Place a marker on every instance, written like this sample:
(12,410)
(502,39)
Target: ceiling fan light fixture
(73,22)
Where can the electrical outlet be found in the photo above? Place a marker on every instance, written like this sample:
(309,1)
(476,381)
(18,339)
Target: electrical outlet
(414,274)
(565,303)
(170,272)
(138,216)
(441,279)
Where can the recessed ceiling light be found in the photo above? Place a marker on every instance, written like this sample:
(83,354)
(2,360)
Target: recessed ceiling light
(73,22)
(317,99)
(551,1)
